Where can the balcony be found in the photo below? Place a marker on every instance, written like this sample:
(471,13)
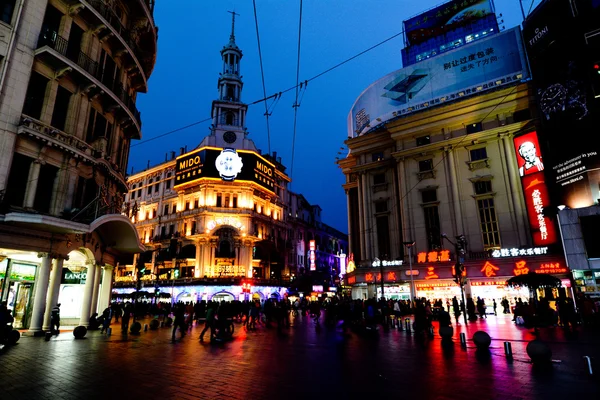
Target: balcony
(54,51)
(57,138)
(101,15)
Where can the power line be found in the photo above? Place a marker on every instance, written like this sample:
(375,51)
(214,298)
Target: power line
(262,74)
(278,95)
(170,132)
(296,105)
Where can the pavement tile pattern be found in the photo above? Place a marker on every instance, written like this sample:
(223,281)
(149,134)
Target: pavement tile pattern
(301,362)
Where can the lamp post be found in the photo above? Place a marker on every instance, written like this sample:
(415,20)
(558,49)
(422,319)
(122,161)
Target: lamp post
(460,249)
(410,245)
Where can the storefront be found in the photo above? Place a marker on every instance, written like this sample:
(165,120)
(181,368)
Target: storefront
(17,279)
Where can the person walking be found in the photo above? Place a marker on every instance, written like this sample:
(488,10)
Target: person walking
(495,305)
(125,317)
(179,322)
(209,322)
(456,309)
(107,314)
(55,320)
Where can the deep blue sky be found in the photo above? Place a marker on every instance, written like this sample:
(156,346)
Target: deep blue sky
(184,82)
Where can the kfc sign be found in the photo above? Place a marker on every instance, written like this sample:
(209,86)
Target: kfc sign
(534,187)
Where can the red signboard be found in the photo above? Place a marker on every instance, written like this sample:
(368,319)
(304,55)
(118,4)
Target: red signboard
(534,187)
(551,268)
(433,256)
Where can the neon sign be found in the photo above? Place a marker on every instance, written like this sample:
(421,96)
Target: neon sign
(521,268)
(391,276)
(431,274)
(433,256)
(313,256)
(387,263)
(414,272)
(551,268)
(532,251)
(351,280)
(489,269)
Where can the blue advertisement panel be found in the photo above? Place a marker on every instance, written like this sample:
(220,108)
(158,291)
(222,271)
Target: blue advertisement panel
(487,64)
(445,18)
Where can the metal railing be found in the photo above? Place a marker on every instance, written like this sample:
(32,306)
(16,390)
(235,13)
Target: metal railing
(61,45)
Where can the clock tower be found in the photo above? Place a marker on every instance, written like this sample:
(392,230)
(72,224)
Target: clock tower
(228,111)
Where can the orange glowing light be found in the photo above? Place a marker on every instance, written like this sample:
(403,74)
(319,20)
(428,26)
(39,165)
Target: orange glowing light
(391,276)
(520,268)
(422,257)
(444,255)
(489,269)
(432,256)
(431,274)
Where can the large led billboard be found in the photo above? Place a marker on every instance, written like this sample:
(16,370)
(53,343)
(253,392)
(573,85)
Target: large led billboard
(537,199)
(562,70)
(226,165)
(445,18)
(473,69)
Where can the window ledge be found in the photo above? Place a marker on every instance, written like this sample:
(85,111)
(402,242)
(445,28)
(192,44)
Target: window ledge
(426,174)
(380,187)
(479,164)
(484,196)
(430,204)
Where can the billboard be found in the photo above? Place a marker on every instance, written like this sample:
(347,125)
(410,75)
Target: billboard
(472,69)
(445,18)
(226,165)
(535,189)
(562,70)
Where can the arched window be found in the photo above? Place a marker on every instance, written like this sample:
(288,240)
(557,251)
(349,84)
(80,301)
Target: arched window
(229,118)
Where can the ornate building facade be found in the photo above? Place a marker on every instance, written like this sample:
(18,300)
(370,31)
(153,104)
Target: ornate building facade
(71,71)
(223,211)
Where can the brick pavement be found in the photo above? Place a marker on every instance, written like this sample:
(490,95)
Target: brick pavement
(301,363)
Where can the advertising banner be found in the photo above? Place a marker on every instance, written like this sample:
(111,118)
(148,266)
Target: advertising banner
(445,18)
(562,78)
(224,164)
(472,69)
(529,159)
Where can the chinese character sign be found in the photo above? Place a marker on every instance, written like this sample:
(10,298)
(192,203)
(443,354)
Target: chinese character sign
(533,180)
(313,255)
(521,268)
(489,269)
(433,256)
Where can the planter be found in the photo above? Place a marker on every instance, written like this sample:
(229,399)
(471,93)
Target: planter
(136,327)
(446,332)
(539,352)
(154,324)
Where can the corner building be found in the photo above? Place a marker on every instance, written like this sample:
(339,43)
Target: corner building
(71,71)
(221,214)
(437,167)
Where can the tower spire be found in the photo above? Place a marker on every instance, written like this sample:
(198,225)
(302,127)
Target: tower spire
(233,14)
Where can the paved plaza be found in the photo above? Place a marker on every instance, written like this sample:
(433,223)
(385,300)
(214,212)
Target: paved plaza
(302,362)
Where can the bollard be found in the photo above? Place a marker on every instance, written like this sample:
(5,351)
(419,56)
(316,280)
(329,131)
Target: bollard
(145,327)
(508,349)
(400,327)
(589,363)
(108,331)
(463,339)
(162,324)
(407,325)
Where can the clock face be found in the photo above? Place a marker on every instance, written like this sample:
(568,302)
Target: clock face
(229,137)
(229,164)
(553,99)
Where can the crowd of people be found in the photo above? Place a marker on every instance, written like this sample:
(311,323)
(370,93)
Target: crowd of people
(218,316)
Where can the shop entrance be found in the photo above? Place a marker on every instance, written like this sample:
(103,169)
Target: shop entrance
(19,299)
(223,296)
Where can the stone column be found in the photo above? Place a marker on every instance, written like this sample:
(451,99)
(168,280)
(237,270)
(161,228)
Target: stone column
(106,288)
(367,229)
(53,291)
(515,191)
(88,292)
(454,192)
(405,212)
(361,211)
(198,265)
(94,305)
(41,290)
(32,182)
(350,235)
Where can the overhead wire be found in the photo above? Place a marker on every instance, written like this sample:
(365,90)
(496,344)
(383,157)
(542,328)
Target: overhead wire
(296,105)
(262,74)
(278,95)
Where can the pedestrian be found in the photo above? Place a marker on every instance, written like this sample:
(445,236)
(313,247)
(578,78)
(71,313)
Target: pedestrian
(107,314)
(495,305)
(179,322)
(456,309)
(209,322)
(125,318)
(55,320)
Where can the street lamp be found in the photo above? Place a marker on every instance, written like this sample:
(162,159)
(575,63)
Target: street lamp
(410,245)
(460,249)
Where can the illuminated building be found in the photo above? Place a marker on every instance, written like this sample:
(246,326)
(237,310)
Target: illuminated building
(433,151)
(71,71)
(222,214)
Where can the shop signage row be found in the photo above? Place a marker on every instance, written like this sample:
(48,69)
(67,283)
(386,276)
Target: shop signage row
(384,263)
(532,251)
(433,256)
(488,269)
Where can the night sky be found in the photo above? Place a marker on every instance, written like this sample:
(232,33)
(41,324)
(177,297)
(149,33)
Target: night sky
(184,82)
